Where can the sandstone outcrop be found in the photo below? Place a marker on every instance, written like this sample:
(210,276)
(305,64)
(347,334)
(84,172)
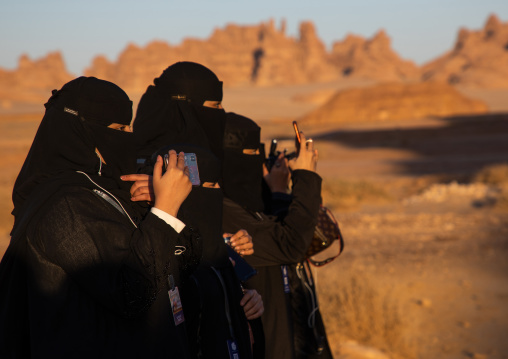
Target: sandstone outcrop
(239,55)
(372,59)
(478,59)
(394,101)
(264,55)
(260,55)
(33,80)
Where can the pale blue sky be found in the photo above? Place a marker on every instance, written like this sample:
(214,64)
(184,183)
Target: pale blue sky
(420,29)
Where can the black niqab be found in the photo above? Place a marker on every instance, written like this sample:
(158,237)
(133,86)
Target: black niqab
(191,81)
(171,110)
(75,123)
(243,173)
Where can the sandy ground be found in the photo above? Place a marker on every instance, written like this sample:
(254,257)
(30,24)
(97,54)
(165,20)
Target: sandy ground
(437,258)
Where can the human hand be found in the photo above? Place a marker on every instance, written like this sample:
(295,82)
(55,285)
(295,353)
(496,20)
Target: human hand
(142,188)
(278,177)
(252,304)
(172,187)
(241,242)
(307,156)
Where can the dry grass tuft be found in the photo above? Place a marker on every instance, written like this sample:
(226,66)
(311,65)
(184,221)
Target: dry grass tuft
(496,176)
(492,175)
(341,195)
(368,313)
(502,198)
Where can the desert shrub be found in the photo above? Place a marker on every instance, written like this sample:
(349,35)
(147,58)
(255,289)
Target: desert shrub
(340,194)
(502,198)
(493,174)
(367,313)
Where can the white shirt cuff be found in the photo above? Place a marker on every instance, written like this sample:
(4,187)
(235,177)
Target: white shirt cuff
(174,222)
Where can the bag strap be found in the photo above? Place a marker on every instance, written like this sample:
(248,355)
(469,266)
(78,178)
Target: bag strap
(341,241)
(226,303)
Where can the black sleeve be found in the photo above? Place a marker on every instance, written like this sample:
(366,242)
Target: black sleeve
(280,240)
(279,204)
(121,266)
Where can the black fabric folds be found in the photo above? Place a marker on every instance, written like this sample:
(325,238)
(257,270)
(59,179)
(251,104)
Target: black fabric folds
(242,172)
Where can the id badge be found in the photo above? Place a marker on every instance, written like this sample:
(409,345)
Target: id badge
(285,278)
(176,305)
(233,349)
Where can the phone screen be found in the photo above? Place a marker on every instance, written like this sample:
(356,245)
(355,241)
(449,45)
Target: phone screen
(297,132)
(192,163)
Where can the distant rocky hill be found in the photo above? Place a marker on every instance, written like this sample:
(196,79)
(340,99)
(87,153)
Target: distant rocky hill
(32,81)
(394,101)
(264,55)
(260,55)
(478,59)
(372,59)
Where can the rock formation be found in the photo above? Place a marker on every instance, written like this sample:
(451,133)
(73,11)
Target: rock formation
(239,55)
(261,55)
(264,55)
(372,59)
(33,80)
(478,59)
(394,101)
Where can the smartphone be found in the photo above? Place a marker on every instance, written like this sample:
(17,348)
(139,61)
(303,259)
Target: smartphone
(297,132)
(243,270)
(192,164)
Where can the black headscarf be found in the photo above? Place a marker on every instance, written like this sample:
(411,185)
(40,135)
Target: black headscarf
(242,173)
(192,81)
(172,111)
(75,123)
(202,209)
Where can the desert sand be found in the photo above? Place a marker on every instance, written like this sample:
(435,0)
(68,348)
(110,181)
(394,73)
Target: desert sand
(424,272)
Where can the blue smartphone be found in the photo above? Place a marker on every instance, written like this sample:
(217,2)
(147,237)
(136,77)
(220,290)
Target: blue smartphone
(192,164)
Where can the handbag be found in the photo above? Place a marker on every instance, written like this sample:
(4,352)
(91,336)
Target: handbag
(327,231)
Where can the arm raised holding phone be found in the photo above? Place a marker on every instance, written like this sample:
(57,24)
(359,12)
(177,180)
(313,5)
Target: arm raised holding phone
(307,156)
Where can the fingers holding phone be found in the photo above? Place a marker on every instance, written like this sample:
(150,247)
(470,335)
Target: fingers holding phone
(307,156)
(172,187)
(278,178)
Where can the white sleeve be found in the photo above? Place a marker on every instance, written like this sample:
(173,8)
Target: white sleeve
(174,222)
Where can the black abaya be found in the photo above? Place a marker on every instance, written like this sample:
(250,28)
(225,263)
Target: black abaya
(86,271)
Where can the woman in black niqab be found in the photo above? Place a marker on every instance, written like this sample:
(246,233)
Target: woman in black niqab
(85,265)
(243,162)
(172,111)
(74,125)
(175,110)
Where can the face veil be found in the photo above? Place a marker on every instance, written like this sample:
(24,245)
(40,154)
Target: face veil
(74,124)
(172,111)
(243,170)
